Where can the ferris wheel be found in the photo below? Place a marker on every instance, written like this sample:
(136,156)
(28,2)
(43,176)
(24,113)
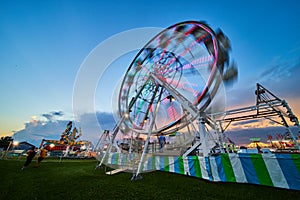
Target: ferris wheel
(186,58)
(172,79)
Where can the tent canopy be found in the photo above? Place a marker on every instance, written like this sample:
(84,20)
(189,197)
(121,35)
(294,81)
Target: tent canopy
(255,144)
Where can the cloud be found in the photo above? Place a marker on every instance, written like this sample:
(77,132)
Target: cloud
(282,78)
(246,122)
(57,113)
(36,130)
(275,73)
(53,115)
(241,96)
(48,116)
(252,124)
(282,67)
(91,128)
(106,120)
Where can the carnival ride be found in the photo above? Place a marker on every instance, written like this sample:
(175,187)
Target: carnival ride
(67,145)
(175,87)
(177,78)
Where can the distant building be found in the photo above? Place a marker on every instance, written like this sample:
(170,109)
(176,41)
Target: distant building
(18,149)
(23,146)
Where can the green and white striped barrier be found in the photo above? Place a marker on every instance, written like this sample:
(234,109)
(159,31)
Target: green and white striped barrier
(277,170)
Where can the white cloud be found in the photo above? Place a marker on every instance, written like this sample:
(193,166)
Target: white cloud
(36,130)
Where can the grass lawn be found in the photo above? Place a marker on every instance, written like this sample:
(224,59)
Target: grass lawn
(78,179)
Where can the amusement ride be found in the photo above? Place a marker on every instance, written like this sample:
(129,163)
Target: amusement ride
(68,144)
(174,87)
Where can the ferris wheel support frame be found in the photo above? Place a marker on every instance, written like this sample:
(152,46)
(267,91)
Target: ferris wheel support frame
(201,136)
(125,115)
(104,136)
(136,176)
(111,141)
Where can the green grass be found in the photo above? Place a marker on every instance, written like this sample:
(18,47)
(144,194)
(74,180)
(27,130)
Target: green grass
(78,179)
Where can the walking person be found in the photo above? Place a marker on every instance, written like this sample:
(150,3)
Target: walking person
(42,156)
(162,142)
(30,155)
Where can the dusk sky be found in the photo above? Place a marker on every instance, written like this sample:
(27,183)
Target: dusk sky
(43,44)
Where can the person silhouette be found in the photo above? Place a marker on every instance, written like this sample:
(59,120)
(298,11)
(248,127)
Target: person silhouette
(162,141)
(30,155)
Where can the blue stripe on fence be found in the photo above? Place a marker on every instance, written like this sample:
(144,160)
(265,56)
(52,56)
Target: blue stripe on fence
(208,169)
(191,163)
(221,171)
(249,169)
(289,170)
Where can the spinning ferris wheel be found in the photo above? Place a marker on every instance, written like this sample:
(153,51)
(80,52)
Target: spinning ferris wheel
(183,59)
(171,82)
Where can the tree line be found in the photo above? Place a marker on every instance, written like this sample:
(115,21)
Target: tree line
(4,141)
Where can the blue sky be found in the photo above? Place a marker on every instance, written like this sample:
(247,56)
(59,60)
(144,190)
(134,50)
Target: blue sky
(44,43)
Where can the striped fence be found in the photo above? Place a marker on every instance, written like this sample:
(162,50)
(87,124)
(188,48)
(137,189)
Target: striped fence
(277,170)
